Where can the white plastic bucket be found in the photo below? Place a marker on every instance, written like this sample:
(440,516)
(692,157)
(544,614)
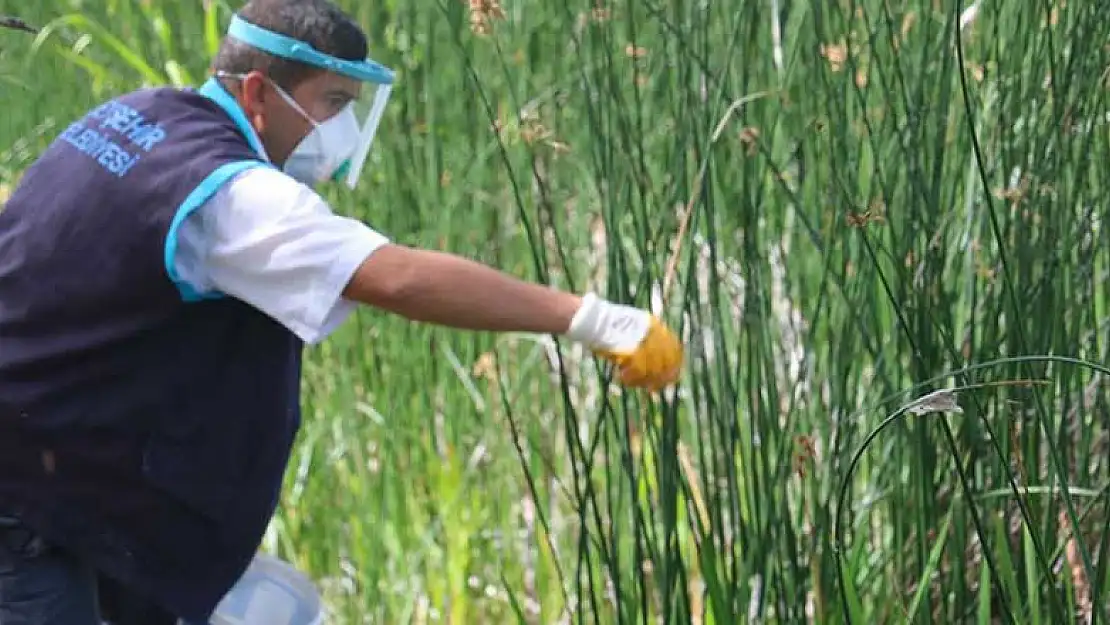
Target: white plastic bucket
(270,592)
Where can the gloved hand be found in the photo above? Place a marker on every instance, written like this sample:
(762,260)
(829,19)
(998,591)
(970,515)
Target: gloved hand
(646,352)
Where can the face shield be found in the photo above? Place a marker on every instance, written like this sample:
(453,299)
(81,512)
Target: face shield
(368,109)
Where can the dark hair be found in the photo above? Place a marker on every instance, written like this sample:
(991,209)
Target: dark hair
(318,23)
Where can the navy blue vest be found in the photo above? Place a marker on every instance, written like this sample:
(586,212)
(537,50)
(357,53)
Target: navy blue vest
(143,425)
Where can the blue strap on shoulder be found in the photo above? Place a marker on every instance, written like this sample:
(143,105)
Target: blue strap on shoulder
(201,194)
(213,90)
(209,186)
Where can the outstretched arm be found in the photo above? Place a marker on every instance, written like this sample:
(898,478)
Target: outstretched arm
(449,290)
(452,291)
(275,244)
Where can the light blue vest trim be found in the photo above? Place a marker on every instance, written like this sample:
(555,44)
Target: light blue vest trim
(206,189)
(214,91)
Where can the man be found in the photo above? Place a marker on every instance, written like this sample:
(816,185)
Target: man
(161,267)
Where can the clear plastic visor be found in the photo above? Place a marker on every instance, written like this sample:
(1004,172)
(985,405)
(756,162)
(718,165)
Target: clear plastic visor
(368,109)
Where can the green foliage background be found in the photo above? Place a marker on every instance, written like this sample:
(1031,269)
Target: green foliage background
(864,203)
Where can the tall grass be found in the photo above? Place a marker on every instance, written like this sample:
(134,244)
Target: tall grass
(890,260)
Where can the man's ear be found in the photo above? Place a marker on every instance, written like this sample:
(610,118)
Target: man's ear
(253,92)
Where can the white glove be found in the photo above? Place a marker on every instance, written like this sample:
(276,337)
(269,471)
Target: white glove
(647,353)
(609,327)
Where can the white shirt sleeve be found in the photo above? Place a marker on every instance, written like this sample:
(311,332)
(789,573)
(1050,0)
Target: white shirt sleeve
(274,243)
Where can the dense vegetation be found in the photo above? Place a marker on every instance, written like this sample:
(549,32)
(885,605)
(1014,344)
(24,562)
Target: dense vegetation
(880,227)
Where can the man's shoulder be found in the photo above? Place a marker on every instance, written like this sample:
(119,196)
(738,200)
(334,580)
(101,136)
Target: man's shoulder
(267,189)
(161,93)
(145,118)
(168,103)
(268,182)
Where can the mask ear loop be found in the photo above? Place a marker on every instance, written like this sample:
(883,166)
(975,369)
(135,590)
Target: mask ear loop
(281,92)
(293,103)
(352,166)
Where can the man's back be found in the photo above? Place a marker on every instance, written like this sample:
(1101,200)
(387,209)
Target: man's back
(126,404)
(82,237)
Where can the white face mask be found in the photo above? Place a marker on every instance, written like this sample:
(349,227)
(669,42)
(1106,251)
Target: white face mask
(325,151)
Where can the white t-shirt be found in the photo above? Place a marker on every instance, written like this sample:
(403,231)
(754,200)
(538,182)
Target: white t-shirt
(274,243)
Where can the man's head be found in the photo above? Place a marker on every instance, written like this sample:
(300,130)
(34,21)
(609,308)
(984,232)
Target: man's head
(257,78)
